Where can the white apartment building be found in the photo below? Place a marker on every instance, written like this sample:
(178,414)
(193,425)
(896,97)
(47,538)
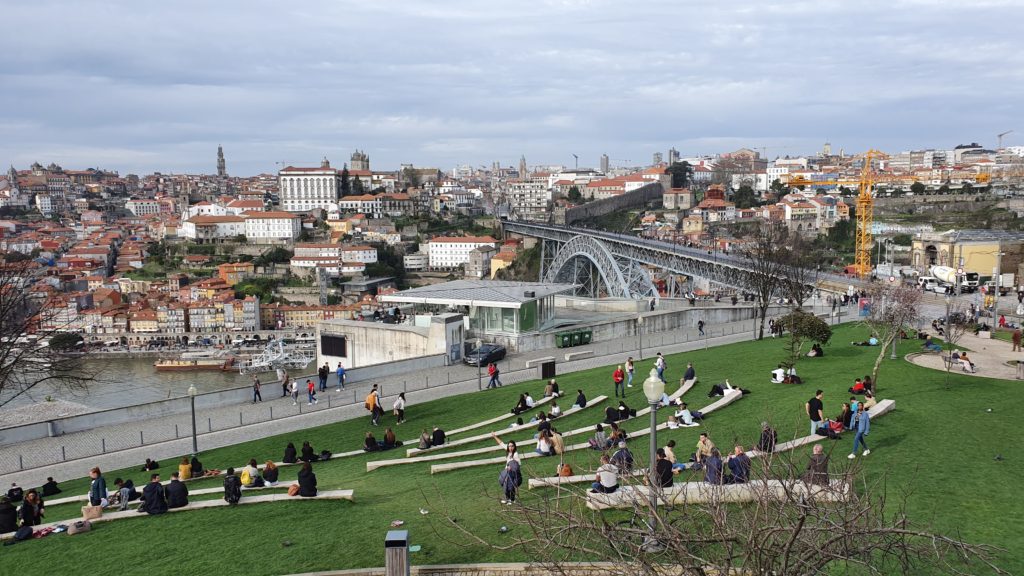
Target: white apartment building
(142,207)
(416,261)
(304,189)
(446,252)
(321,250)
(364,254)
(529,198)
(45,204)
(271,226)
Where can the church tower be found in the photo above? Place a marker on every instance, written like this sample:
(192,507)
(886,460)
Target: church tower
(360,161)
(222,169)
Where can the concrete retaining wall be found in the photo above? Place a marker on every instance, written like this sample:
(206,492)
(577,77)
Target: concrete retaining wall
(631,199)
(504,569)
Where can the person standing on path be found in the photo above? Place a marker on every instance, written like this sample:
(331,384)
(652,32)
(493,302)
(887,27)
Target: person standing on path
(282,377)
(659,365)
(815,409)
(1016,340)
(629,372)
(619,378)
(493,371)
(323,373)
(293,389)
(341,376)
(399,408)
(311,392)
(700,327)
(256,390)
(862,426)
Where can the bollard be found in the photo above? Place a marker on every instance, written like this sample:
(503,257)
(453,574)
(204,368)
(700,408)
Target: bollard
(271,412)
(328,401)
(396,553)
(141,441)
(209,425)
(51,429)
(175,431)
(63,454)
(239,418)
(103,445)
(21,463)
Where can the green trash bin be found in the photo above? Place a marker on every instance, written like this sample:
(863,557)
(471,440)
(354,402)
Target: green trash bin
(566,339)
(559,340)
(585,337)
(576,338)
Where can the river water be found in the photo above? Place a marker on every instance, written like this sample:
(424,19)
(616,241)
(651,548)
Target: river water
(129,381)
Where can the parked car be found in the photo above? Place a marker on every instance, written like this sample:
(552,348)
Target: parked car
(485,354)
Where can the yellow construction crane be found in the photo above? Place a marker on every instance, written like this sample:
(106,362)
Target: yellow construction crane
(865,214)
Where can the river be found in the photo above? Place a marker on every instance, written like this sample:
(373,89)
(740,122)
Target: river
(129,381)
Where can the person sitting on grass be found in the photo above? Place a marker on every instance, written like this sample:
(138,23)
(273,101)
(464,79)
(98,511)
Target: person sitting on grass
(557,442)
(663,469)
(50,488)
(622,458)
(670,453)
(370,443)
(611,415)
(704,448)
(521,405)
(779,375)
(930,345)
(817,467)
(607,479)
(439,437)
(712,464)
(150,465)
(232,487)
(599,440)
(556,411)
(270,473)
(544,444)
(543,425)
(625,412)
(307,481)
(872,341)
(185,468)
(581,399)
(517,423)
(308,455)
(31,512)
(390,441)
(250,476)
(685,416)
(424,440)
(154,499)
(177,492)
(8,516)
(869,400)
(766,443)
(290,456)
(126,492)
(739,466)
(816,351)
(844,416)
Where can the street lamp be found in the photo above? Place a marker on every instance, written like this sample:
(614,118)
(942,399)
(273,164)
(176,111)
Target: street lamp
(892,282)
(640,334)
(192,397)
(654,389)
(479,375)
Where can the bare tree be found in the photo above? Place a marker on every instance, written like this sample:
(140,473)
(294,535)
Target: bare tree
(799,275)
(791,528)
(894,308)
(955,328)
(766,256)
(29,322)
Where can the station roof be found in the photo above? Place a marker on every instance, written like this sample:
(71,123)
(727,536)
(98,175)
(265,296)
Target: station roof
(490,293)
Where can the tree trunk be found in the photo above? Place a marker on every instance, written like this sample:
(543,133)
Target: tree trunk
(886,342)
(763,312)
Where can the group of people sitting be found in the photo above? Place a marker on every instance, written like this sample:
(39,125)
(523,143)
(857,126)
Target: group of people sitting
(966,364)
(602,440)
(815,351)
(371,444)
(613,414)
(31,511)
(429,440)
(527,403)
(683,416)
(783,375)
(307,454)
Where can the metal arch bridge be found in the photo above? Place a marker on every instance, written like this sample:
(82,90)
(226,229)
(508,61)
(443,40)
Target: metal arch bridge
(614,264)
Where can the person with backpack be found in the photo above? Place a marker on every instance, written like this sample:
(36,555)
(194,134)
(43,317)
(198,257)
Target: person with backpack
(373,406)
(232,487)
(659,365)
(250,477)
(15,494)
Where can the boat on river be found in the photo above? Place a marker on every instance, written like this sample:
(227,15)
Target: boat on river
(216,360)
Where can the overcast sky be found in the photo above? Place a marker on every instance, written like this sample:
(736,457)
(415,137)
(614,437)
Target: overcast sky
(156,86)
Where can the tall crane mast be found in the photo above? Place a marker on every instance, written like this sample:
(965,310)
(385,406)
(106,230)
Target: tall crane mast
(1000,138)
(865,214)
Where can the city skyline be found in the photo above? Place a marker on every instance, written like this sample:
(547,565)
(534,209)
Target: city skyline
(158,88)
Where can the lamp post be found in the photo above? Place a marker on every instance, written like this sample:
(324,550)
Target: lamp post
(892,282)
(640,334)
(192,397)
(479,375)
(654,389)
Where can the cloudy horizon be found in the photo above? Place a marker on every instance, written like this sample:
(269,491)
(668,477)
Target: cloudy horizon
(142,87)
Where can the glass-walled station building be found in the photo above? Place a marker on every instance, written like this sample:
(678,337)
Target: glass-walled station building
(497,311)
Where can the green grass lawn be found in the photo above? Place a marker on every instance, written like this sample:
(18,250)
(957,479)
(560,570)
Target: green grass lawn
(939,445)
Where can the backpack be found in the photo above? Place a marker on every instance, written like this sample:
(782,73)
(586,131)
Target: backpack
(325,455)
(79,527)
(293,490)
(246,478)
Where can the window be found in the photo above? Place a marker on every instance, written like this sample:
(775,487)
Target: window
(334,345)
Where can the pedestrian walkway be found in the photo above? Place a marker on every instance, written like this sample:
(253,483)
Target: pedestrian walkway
(993,358)
(124,445)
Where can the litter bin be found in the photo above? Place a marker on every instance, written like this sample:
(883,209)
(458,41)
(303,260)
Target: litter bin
(547,370)
(576,338)
(558,340)
(566,339)
(585,337)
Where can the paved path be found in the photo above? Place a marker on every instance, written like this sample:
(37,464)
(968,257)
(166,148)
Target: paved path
(121,446)
(990,356)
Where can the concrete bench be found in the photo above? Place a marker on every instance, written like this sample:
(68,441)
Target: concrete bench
(538,361)
(579,354)
(721,403)
(201,504)
(374,464)
(701,492)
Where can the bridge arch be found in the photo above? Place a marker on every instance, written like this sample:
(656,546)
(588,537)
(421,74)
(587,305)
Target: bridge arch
(621,278)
